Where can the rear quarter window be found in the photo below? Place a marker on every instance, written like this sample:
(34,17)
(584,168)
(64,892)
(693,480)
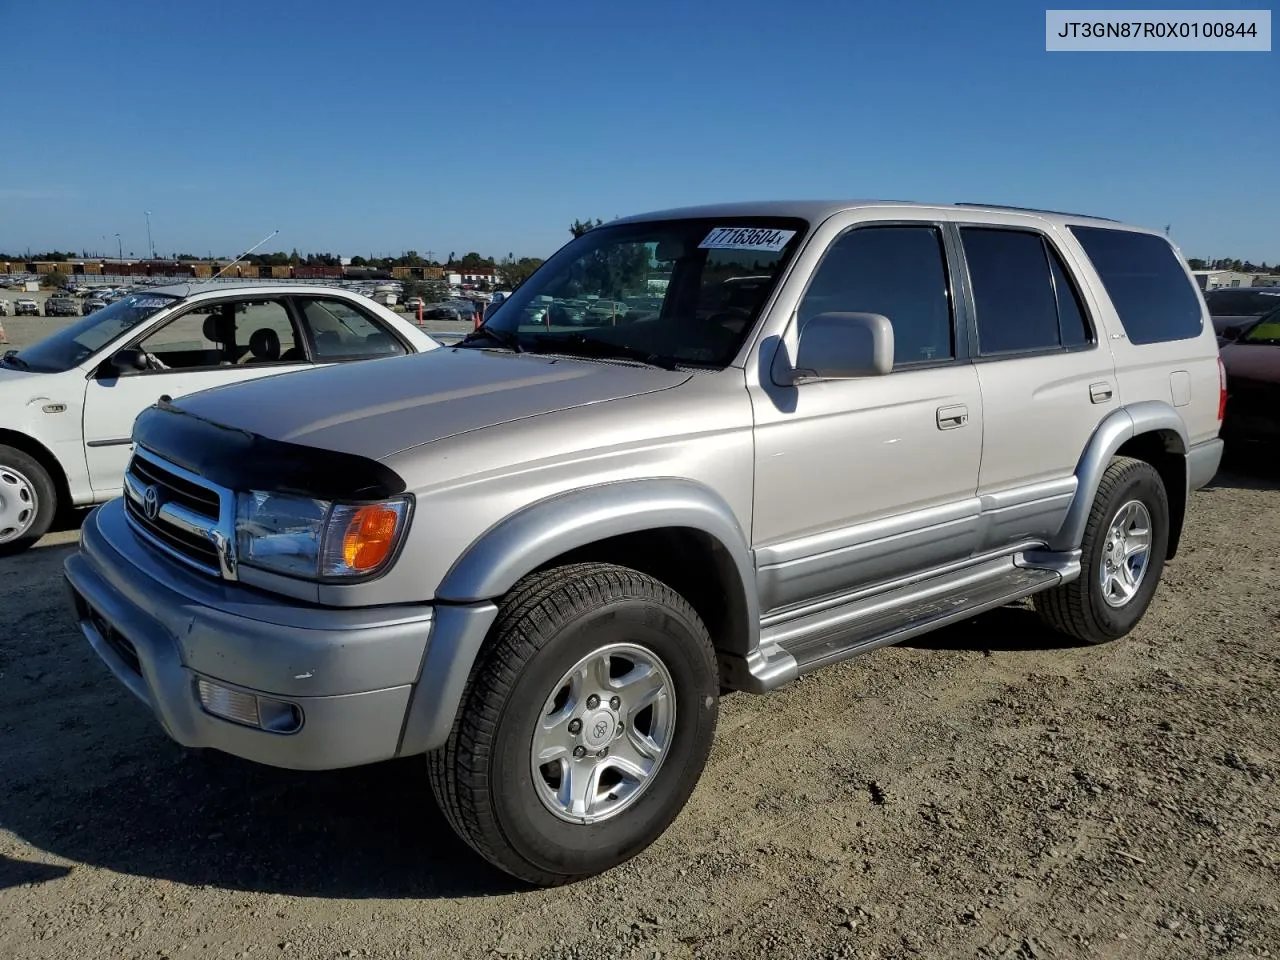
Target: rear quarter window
(1142,275)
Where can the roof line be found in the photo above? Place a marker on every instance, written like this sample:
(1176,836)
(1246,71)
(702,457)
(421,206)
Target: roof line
(1056,213)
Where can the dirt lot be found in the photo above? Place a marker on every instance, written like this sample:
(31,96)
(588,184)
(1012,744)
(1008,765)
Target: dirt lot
(988,792)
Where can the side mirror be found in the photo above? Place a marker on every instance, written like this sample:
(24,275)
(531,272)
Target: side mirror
(844,346)
(126,361)
(1232,332)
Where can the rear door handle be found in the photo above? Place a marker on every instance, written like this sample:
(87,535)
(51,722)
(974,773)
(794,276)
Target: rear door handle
(1099,392)
(951,417)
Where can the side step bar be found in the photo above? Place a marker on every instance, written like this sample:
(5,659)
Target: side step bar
(808,642)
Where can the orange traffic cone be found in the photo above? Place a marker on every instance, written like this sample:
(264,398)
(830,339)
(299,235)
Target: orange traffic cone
(3,338)
(420,321)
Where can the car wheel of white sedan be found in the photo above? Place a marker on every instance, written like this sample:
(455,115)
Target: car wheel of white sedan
(28,500)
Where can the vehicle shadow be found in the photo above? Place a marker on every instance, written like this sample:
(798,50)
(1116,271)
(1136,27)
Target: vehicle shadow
(15,873)
(201,818)
(1008,629)
(1248,467)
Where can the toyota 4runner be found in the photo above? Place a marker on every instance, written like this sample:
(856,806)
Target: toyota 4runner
(540,556)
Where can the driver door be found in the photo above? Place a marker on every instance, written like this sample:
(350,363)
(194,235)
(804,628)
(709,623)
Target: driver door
(206,346)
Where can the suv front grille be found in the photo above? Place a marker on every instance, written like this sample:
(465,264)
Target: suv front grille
(178,513)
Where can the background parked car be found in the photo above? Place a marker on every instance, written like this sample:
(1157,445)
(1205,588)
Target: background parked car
(61,305)
(106,368)
(92,304)
(4,308)
(1253,382)
(26,307)
(1239,306)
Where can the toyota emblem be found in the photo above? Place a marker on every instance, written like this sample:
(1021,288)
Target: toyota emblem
(151,502)
(601,728)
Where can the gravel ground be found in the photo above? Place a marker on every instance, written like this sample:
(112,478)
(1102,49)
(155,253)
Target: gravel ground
(985,792)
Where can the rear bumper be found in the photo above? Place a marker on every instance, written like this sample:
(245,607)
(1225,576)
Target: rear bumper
(360,681)
(1203,460)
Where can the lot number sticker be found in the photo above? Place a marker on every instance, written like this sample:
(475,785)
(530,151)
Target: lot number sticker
(746,238)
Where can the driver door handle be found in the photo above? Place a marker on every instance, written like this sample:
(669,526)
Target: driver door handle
(951,417)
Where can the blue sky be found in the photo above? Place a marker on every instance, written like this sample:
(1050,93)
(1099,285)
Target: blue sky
(378,127)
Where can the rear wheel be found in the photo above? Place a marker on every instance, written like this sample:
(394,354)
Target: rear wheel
(28,500)
(1122,557)
(585,726)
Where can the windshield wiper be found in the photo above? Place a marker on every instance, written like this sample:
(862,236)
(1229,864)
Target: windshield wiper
(582,345)
(11,359)
(505,338)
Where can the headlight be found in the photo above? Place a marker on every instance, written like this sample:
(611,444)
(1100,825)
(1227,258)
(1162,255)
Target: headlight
(302,537)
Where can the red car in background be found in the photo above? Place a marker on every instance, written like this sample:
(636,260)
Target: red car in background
(1251,354)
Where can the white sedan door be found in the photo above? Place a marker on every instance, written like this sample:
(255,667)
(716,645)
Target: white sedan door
(207,346)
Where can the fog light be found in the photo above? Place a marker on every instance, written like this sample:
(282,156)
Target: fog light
(228,704)
(237,706)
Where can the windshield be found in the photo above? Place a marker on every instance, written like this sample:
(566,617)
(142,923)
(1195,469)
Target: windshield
(682,291)
(1265,331)
(76,343)
(1242,303)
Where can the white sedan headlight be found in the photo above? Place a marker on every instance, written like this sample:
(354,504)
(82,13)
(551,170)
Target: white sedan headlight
(301,537)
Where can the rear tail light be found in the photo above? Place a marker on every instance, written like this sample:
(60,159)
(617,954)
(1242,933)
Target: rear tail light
(1222,390)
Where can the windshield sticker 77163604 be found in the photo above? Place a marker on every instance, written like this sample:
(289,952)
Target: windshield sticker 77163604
(746,238)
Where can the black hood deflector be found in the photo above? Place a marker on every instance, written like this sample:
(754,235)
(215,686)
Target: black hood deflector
(241,460)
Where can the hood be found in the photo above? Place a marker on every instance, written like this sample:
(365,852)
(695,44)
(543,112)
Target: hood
(375,408)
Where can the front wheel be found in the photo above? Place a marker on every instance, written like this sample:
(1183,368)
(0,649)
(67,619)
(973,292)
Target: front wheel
(585,726)
(28,501)
(1122,556)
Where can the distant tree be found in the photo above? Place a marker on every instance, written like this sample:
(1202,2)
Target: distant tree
(513,272)
(55,279)
(1195,263)
(579,227)
(359,261)
(473,259)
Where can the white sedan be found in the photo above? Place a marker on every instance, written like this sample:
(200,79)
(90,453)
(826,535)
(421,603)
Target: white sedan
(68,402)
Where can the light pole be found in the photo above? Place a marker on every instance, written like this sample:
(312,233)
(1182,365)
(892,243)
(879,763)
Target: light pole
(150,246)
(119,252)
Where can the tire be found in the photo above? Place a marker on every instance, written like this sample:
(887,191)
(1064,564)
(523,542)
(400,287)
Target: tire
(28,501)
(1085,609)
(485,779)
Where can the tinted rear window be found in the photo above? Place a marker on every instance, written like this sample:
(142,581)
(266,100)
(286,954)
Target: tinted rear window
(1152,294)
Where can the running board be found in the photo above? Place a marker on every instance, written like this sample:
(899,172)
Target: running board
(829,636)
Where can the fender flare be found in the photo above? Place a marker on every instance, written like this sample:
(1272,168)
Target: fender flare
(548,528)
(1120,426)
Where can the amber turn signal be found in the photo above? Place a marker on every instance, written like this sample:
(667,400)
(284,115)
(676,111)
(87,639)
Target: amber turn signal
(369,537)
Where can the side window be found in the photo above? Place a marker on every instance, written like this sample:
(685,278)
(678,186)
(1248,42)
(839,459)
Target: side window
(185,342)
(897,271)
(1072,325)
(265,334)
(1013,291)
(1153,296)
(341,332)
(225,334)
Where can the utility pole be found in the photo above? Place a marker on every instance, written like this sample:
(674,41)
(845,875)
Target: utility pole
(150,246)
(119,249)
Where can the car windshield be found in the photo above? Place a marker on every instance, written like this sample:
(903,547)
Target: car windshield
(1265,331)
(1241,303)
(76,343)
(679,291)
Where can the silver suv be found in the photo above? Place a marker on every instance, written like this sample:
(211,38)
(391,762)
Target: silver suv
(540,556)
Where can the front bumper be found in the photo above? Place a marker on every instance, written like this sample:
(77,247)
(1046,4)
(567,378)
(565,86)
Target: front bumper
(361,680)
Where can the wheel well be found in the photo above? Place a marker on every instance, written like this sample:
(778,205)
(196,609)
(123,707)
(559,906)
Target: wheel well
(40,453)
(1163,450)
(692,563)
